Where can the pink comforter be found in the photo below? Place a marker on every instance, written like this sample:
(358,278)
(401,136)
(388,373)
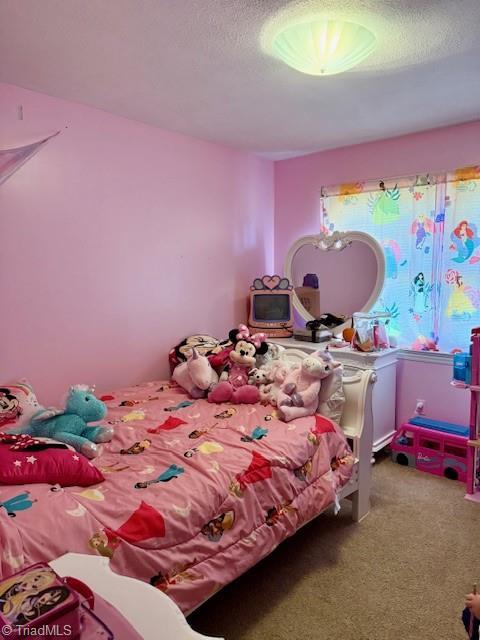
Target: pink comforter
(216,490)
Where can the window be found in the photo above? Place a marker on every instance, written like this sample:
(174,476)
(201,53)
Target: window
(429,229)
(436,445)
(460,452)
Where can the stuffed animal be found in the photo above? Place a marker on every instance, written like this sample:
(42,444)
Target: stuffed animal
(195,375)
(279,371)
(70,425)
(263,380)
(216,351)
(274,352)
(299,392)
(258,376)
(332,396)
(424,344)
(233,385)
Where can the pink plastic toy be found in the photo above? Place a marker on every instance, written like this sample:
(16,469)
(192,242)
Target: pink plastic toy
(34,598)
(424,344)
(473,478)
(473,453)
(432,446)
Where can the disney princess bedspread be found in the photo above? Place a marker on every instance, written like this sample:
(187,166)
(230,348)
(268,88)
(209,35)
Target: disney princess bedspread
(194,493)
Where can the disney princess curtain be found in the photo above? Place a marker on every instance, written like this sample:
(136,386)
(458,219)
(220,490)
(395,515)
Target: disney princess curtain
(12,157)
(427,226)
(460,295)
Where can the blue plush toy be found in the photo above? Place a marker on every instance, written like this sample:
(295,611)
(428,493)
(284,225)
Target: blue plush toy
(70,425)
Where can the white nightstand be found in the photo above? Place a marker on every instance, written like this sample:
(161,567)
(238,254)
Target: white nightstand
(152,614)
(384,364)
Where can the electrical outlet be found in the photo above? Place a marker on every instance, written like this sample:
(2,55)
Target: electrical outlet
(420,406)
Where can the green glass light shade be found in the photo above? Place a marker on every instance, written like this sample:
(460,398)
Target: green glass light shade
(324,47)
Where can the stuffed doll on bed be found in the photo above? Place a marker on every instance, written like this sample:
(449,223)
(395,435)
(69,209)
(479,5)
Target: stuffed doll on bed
(299,394)
(234,381)
(71,424)
(198,375)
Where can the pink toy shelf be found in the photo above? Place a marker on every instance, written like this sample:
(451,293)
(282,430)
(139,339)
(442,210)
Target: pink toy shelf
(473,444)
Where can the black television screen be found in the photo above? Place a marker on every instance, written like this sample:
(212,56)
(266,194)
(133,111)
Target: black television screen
(271,307)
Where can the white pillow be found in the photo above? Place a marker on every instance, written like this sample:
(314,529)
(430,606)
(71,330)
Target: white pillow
(331,397)
(18,403)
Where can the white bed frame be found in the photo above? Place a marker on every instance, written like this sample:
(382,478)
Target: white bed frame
(357,424)
(150,611)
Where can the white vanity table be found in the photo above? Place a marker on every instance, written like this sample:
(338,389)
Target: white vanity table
(383,363)
(334,259)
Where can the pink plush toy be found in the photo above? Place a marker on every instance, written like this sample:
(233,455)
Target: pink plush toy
(195,375)
(235,387)
(299,393)
(424,344)
(279,371)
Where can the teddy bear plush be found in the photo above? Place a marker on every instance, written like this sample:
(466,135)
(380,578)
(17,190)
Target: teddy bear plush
(262,379)
(233,385)
(299,394)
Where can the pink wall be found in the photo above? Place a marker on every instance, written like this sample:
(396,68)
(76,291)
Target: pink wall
(115,231)
(118,239)
(297,191)
(431,383)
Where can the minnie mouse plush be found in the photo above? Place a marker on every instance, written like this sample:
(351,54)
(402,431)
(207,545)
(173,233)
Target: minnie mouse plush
(234,385)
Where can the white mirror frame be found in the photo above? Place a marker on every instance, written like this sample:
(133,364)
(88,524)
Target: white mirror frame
(337,241)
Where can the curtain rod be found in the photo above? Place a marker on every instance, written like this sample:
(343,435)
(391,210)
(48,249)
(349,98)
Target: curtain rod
(389,184)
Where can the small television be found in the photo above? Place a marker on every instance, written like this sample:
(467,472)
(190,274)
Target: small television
(271,309)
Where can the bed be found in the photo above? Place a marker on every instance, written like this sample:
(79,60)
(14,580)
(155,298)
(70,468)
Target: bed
(196,493)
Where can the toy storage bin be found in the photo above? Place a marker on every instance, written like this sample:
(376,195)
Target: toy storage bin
(37,602)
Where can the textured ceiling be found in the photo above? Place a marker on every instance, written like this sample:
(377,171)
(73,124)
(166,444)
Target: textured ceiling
(202,67)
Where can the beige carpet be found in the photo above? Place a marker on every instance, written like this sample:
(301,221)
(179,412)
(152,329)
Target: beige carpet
(399,575)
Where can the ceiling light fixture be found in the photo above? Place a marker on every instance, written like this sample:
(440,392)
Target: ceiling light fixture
(323,47)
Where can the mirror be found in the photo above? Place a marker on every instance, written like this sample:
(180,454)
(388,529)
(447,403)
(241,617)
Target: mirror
(348,269)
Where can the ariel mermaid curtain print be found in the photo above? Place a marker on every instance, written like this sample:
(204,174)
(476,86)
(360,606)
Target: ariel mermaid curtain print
(429,228)
(460,296)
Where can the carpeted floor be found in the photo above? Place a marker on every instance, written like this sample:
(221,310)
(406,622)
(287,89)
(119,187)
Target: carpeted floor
(399,575)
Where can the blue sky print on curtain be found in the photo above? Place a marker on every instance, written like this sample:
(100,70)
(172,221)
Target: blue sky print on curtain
(427,227)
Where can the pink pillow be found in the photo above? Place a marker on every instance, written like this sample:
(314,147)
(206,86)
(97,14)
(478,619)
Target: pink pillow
(57,464)
(18,403)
